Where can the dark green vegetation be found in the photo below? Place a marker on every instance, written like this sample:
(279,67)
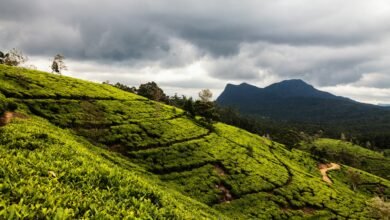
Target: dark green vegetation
(91,150)
(295,104)
(350,154)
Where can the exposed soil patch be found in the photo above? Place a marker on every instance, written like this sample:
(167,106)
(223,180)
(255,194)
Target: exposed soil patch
(118,148)
(220,171)
(324,168)
(226,195)
(308,210)
(7,117)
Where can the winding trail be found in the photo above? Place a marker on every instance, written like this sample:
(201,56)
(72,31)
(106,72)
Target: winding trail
(324,168)
(7,117)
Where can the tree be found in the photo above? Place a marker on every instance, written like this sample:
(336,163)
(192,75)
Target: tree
(189,107)
(368,145)
(13,58)
(204,107)
(58,64)
(205,95)
(290,138)
(2,56)
(343,137)
(124,87)
(151,91)
(354,178)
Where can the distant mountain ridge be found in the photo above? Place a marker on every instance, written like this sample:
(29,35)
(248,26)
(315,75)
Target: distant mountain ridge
(284,89)
(298,88)
(293,100)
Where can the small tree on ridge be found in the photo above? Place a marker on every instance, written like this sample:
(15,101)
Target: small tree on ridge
(58,64)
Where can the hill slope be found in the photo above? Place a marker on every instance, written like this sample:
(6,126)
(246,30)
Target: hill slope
(120,154)
(350,154)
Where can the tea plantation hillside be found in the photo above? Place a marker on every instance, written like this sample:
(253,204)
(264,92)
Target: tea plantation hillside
(350,154)
(78,149)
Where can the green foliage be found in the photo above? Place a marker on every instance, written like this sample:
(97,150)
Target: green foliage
(151,91)
(125,87)
(6,104)
(280,132)
(32,84)
(381,208)
(350,154)
(153,161)
(301,107)
(206,110)
(86,184)
(3,104)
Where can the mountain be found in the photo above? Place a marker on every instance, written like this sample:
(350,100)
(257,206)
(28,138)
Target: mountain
(73,149)
(285,89)
(297,88)
(292,100)
(298,103)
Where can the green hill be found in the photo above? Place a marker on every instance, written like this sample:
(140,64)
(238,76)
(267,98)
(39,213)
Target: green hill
(78,149)
(350,154)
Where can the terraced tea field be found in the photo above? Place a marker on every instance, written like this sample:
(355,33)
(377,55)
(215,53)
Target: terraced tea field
(124,155)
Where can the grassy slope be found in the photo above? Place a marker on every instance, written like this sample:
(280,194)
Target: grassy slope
(161,156)
(90,182)
(353,155)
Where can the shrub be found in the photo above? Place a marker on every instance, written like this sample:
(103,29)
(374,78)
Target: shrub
(380,208)
(6,105)
(11,106)
(3,104)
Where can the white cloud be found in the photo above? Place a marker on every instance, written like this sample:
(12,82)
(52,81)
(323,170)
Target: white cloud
(185,45)
(362,94)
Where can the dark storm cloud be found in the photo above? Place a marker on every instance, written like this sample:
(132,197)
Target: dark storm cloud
(326,42)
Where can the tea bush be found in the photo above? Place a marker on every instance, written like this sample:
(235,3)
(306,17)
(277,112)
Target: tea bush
(89,150)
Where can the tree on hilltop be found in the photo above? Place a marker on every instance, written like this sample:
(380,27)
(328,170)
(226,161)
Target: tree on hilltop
(58,64)
(151,91)
(14,57)
(205,95)
(205,107)
(2,56)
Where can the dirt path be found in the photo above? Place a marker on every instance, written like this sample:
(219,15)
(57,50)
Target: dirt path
(324,168)
(7,117)
(226,195)
(220,171)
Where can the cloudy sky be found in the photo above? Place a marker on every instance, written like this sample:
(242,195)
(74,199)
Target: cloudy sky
(186,45)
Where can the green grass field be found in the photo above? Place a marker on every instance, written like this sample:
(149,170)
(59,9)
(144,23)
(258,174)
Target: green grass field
(87,150)
(352,155)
